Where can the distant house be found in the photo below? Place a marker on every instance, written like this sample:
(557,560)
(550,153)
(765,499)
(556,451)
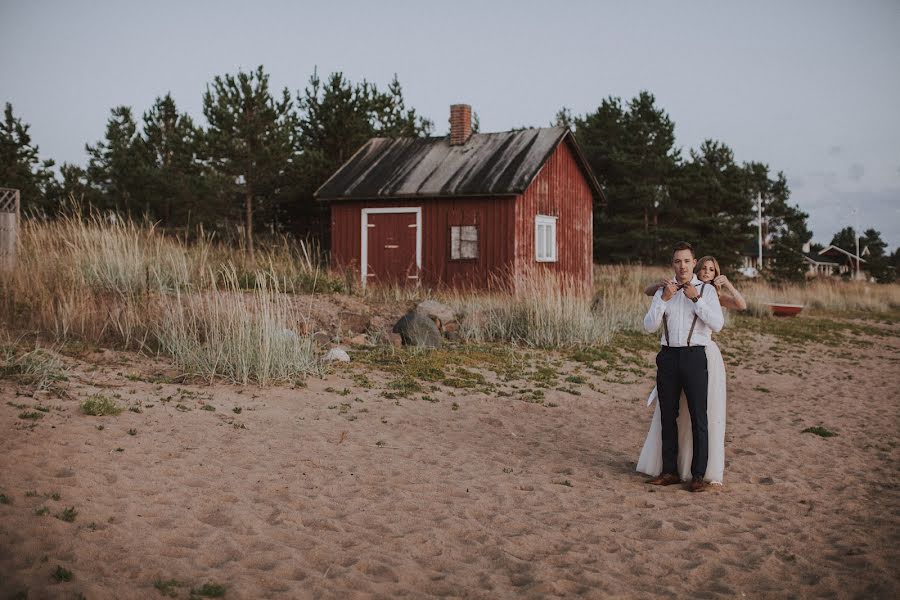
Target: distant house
(750,257)
(834,261)
(465,210)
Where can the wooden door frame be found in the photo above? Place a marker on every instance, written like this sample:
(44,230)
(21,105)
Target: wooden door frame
(364,235)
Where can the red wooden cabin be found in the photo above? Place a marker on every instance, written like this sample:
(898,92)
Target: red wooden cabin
(465,210)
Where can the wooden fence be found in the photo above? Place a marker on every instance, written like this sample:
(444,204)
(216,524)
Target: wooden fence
(9,226)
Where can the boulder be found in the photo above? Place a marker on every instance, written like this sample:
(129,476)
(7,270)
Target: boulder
(417,329)
(322,338)
(337,354)
(436,311)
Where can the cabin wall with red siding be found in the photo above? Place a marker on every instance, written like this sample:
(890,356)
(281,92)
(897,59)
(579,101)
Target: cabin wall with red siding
(560,189)
(495,218)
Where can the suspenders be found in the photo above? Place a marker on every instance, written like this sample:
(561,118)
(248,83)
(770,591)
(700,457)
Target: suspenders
(693,323)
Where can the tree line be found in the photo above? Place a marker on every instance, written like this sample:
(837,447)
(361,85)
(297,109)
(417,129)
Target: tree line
(262,154)
(257,163)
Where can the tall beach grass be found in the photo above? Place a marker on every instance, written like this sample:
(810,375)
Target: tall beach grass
(219,313)
(124,283)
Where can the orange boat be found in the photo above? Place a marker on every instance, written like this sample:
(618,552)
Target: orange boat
(785,310)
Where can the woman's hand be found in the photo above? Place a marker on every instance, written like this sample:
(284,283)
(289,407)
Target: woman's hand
(721,281)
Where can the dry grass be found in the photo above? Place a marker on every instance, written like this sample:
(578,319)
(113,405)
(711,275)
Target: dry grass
(240,336)
(827,294)
(219,313)
(124,283)
(552,311)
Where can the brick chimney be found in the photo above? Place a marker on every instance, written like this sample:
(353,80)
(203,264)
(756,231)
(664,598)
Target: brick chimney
(460,124)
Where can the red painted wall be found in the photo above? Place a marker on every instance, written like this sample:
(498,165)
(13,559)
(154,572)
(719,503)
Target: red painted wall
(561,190)
(494,217)
(506,229)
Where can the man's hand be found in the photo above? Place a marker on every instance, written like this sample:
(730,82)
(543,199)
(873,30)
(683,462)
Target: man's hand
(690,291)
(669,290)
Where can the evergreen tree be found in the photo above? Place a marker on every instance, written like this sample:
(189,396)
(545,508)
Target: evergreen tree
(76,188)
(785,229)
(21,167)
(878,263)
(250,140)
(846,240)
(116,165)
(174,173)
(711,204)
(631,150)
(336,119)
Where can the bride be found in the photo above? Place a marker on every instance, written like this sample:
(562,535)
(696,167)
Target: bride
(650,461)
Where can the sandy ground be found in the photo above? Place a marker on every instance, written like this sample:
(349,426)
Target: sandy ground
(308,493)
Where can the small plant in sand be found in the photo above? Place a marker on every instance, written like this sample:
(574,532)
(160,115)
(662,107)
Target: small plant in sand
(132,432)
(31,415)
(819,431)
(68,514)
(61,574)
(168,587)
(42,511)
(208,407)
(99,405)
(4,499)
(209,590)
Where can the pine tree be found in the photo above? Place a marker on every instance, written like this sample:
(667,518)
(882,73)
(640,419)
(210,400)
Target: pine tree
(116,165)
(174,173)
(631,150)
(250,140)
(785,228)
(336,118)
(711,203)
(21,167)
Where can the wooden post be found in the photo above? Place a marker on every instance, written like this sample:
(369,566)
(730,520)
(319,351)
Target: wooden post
(9,227)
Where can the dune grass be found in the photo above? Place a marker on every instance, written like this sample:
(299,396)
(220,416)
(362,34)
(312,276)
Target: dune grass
(219,313)
(126,284)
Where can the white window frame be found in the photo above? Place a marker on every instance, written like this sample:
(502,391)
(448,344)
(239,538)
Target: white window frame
(545,239)
(364,237)
(477,242)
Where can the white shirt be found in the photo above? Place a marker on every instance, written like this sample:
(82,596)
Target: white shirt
(680,311)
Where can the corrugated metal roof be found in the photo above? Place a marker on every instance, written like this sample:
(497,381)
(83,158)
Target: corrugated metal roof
(488,164)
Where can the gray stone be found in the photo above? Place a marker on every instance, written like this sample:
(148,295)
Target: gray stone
(337,354)
(436,310)
(418,330)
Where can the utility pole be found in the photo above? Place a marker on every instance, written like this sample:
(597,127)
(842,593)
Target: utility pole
(759,223)
(856,231)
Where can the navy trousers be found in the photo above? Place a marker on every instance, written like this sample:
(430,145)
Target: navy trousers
(684,369)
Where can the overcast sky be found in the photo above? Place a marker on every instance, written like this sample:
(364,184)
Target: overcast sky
(808,87)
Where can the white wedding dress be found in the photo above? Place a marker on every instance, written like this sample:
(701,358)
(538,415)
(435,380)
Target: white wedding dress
(650,461)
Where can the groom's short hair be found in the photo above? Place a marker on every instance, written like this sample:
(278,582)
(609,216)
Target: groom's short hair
(683,246)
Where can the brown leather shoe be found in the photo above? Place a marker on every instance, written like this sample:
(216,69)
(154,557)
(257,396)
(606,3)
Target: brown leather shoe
(697,485)
(665,479)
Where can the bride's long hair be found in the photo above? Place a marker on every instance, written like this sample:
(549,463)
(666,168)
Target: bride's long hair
(715,264)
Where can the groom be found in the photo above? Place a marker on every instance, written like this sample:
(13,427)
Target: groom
(689,312)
